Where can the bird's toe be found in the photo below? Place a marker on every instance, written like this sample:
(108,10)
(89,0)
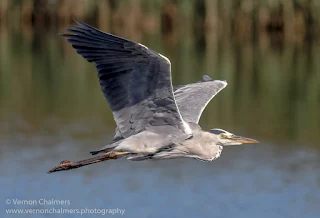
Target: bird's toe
(64,162)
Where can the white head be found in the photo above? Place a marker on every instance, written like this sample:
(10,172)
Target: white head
(226,138)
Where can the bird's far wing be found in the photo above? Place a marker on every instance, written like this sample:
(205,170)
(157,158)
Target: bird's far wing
(135,80)
(193,98)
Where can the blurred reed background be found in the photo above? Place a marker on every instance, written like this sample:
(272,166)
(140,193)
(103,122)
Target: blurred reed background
(268,51)
(293,20)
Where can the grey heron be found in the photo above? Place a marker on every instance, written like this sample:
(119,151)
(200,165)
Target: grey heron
(154,119)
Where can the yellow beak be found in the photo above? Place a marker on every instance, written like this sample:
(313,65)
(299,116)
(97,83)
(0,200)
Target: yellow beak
(244,140)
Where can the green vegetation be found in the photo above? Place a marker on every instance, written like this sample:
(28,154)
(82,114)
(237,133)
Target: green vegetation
(268,51)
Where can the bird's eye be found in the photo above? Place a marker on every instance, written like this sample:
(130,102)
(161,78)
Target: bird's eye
(223,136)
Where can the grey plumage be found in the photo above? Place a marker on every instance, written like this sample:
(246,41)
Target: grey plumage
(193,98)
(154,119)
(135,80)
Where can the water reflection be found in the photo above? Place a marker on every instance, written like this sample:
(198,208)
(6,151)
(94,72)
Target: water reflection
(51,109)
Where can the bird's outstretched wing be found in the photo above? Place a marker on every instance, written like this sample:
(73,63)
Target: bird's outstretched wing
(193,98)
(135,80)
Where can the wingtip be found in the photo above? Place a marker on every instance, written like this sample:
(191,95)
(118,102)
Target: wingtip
(77,21)
(84,25)
(224,82)
(80,23)
(69,28)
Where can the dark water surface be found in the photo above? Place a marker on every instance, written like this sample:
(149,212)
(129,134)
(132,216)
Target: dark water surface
(51,109)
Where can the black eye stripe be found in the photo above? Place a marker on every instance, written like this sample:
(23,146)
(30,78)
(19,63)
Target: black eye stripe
(216,131)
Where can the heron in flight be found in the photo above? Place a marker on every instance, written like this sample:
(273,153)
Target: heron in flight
(155,120)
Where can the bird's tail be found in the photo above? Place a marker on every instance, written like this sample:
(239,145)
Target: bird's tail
(68,165)
(106,148)
(95,152)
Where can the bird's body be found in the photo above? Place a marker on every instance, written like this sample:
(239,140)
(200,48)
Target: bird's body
(170,144)
(155,120)
(200,146)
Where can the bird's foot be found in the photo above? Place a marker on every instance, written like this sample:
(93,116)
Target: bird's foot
(65,162)
(68,165)
(64,165)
